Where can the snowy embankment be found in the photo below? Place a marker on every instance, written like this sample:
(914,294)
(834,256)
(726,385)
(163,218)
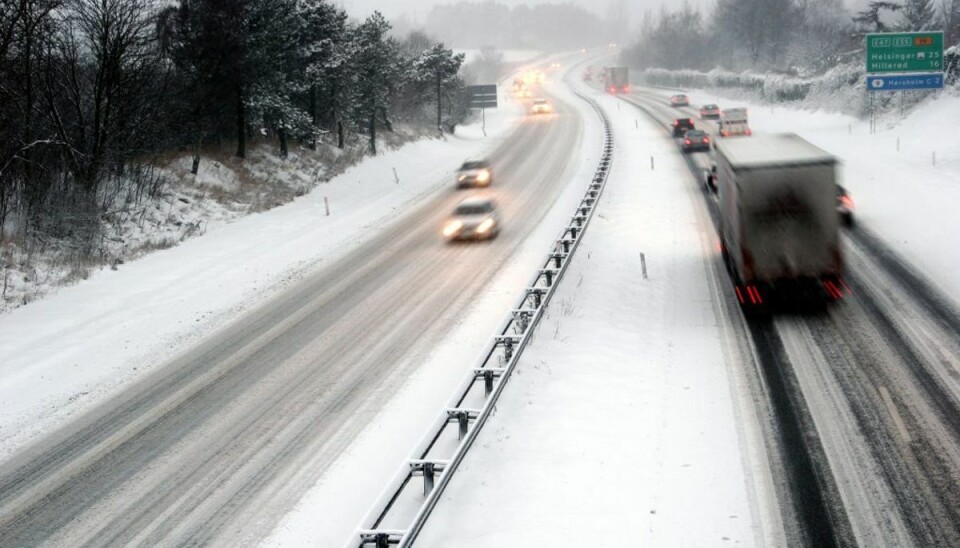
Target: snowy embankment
(63,354)
(621,421)
(905,178)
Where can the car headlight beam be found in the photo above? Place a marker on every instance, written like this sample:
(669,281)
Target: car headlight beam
(485,226)
(452,228)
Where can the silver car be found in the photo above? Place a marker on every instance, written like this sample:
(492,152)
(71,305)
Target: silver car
(474,173)
(473,219)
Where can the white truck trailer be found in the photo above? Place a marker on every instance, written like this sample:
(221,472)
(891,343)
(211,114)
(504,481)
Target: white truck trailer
(778,222)
(733,122)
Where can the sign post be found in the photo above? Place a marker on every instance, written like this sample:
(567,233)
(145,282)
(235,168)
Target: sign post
(482,96)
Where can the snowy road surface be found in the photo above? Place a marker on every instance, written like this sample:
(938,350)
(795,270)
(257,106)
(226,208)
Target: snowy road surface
(215,446)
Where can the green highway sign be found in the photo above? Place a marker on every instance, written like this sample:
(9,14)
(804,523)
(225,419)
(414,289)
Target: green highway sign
(905,52)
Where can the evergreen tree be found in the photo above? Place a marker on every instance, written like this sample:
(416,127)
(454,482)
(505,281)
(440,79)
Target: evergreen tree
(326,38)
(918,15)
(376,64)
(273,69)
(438,66)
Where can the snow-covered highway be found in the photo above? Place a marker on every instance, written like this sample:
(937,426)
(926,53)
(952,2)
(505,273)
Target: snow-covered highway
(215,446)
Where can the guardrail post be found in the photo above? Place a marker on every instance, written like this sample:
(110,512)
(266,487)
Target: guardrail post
(463,420)
(487,383)
(428,471)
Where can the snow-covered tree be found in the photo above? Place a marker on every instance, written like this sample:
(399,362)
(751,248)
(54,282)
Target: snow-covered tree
(950,16)
(871,19)
(919,15)
(438,66)
(327,48)
(376,63)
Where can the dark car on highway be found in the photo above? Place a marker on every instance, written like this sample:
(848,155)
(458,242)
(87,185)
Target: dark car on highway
(681,126)
(695,139)
(845,206)
(710,112)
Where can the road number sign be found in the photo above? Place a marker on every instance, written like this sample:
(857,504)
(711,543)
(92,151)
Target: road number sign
(905,52)
(901,82)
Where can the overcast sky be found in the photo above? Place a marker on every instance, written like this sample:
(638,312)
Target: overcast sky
(417,10)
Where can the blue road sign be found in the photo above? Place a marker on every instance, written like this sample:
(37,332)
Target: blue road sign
(901,82)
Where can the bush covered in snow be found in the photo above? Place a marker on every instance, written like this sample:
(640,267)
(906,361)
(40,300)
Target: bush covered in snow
(841,89)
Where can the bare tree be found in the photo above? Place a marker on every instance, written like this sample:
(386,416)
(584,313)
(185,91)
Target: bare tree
(950,16)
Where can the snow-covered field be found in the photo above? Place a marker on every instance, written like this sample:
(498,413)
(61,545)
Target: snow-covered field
(61,355)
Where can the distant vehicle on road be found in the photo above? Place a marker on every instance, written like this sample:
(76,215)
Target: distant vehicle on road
(541,106)
(679,100)
(733,122)
(475,173)
(473,219)
(779,227)
(681,126)
(616,80)
(845,207)
(695,139)
(710,112)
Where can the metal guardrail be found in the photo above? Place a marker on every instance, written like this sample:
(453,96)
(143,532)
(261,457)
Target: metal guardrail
(432,460)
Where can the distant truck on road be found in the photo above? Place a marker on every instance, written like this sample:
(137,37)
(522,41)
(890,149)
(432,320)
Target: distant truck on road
(779,229)
(733,122)
(616,80)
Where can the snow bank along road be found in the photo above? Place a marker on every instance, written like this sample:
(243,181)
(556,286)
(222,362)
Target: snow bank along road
(865,399)
(213,448)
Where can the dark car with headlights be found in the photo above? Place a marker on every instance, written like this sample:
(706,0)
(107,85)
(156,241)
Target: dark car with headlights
(474,173)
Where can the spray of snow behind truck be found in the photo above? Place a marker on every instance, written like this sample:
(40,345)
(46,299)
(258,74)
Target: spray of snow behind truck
(616,80)
(778,221)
